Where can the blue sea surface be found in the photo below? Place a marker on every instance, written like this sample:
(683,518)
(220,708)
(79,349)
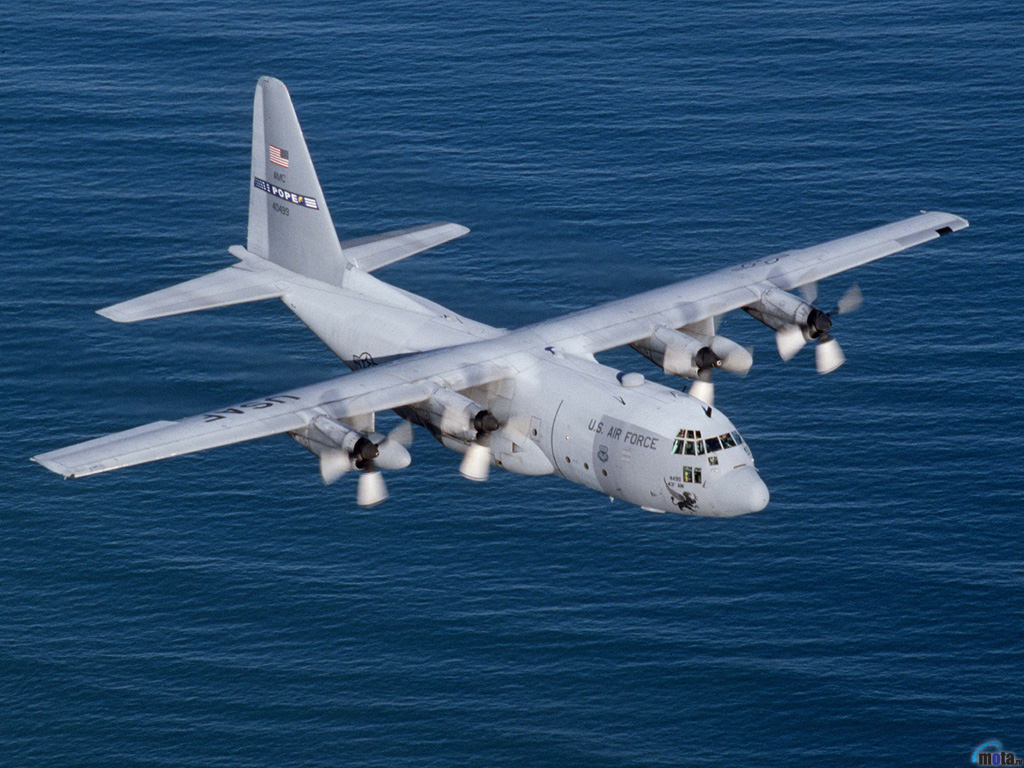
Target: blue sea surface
(227,609)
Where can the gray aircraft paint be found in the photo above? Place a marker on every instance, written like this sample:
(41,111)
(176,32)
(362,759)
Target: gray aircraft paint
(541,381)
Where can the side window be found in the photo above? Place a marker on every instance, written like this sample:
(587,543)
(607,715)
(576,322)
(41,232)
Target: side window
(737,438)
(691,475)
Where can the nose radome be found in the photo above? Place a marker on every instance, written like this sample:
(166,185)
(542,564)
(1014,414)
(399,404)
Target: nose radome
(741,492)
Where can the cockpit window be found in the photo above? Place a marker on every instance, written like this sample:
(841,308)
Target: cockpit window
(737,438)
(688,442)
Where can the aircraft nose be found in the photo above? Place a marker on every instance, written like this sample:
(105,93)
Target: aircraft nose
(742,492)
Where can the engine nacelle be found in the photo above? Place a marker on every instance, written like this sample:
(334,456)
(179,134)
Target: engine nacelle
(779,310)
(687,355)
(457,416)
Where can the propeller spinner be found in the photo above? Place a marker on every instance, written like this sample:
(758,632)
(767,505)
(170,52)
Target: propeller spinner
(720,353)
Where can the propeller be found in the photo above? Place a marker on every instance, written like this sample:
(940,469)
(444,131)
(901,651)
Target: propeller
(789,341)
(369,452)
(476,464)
(828,355)
(720,353)
(339,461)
(334,464)
(372,490)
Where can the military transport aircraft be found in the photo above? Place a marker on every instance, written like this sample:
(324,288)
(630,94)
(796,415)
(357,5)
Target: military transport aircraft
(533,400)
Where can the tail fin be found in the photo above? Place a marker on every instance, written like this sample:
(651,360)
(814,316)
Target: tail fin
(289,223)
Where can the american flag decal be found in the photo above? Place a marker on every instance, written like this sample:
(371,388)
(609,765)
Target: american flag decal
(278,156)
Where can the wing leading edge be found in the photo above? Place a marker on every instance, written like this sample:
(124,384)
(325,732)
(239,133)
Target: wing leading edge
(397,384)
(635,318)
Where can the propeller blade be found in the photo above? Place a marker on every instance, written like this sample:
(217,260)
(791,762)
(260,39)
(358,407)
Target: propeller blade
(810,292)
(828,356)
(392,454)
(334,464)
(735,359)
(476,464)
(790,340)
(851,301)
(372,490)
(703,390)
(402,434)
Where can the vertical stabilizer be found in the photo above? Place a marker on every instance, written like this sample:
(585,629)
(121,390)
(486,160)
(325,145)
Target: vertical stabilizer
(289,223)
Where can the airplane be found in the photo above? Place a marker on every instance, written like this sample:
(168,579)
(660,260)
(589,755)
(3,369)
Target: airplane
(531,400)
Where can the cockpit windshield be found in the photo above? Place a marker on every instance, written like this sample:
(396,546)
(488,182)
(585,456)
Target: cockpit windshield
(689,442)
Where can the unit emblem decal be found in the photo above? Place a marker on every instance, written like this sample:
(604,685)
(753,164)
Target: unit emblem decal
(284,194)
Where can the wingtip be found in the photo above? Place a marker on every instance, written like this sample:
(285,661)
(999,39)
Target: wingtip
(952,223)
(111,313)
(55,467)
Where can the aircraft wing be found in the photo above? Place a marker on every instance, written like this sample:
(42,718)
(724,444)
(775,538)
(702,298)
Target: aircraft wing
(634,318)
(414,378)
(393,385)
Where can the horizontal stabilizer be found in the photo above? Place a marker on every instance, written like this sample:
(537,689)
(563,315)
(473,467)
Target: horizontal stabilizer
(376,251)
(234,285)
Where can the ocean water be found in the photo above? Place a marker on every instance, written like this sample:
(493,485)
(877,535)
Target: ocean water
(228,609)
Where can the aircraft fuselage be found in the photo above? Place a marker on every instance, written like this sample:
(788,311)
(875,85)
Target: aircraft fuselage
(616,433)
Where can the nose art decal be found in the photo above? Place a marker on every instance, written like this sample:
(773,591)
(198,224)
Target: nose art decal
(686,501)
